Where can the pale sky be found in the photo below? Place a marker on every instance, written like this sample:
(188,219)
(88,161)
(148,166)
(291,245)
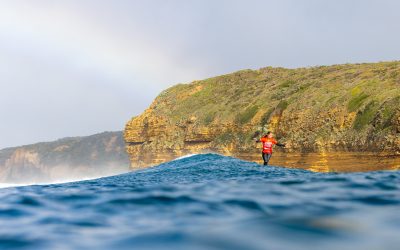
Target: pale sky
(79,67)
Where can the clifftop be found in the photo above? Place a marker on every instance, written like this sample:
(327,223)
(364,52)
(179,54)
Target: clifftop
(351,107)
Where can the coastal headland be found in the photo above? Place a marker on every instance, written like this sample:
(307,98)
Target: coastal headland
(326,109)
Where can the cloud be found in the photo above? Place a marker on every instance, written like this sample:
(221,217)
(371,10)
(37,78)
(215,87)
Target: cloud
(64,73)
(87,43)
(79,67)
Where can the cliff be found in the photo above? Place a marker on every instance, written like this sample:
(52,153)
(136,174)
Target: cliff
(65,159)
(351,108)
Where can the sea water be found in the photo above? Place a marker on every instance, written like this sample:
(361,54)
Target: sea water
(207,202)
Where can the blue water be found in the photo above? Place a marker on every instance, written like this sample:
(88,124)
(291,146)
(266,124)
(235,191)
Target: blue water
(207,202)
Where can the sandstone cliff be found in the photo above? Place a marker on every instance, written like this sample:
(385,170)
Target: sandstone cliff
(352,107)
(65,159)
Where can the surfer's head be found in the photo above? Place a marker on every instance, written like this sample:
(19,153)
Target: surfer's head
(268,135)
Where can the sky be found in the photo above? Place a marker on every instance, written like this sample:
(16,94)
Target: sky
(79,67)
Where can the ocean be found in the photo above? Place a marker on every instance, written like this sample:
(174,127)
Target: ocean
(207,201)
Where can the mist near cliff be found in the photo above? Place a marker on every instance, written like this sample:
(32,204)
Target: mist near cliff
(64,160)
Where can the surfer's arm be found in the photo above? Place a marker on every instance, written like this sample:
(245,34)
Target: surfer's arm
(280,145)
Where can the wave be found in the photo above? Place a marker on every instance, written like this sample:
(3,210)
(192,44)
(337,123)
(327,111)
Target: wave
(207,201)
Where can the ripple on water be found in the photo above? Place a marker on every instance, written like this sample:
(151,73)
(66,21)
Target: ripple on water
(206,202)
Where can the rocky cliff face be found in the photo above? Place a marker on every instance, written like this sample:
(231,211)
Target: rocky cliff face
(65,159)
(353,107)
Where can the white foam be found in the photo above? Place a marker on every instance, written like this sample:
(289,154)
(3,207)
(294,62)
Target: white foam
(185,156)
(8,185)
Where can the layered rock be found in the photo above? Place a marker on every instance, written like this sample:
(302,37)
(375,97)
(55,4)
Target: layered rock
(353,107)
(65,159)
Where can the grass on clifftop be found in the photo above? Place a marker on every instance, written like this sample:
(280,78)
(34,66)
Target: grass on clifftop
(253,96)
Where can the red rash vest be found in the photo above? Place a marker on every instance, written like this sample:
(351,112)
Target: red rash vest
(267,144)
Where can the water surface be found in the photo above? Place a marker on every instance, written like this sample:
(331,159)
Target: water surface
(330,162)
(207,202)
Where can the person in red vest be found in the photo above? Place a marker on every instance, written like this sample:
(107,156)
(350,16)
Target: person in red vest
(268,141)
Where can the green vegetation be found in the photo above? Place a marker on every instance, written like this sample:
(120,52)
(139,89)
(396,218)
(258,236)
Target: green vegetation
(252,96)
(209,118)
(356,102)
(225,138)
(282,106)
(287,83)
(387,112)
(239,138)
(365,117)
(266,116)
(247,115)
(355,91)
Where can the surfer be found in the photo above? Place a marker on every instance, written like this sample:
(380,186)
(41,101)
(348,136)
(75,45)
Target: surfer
(268,141)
